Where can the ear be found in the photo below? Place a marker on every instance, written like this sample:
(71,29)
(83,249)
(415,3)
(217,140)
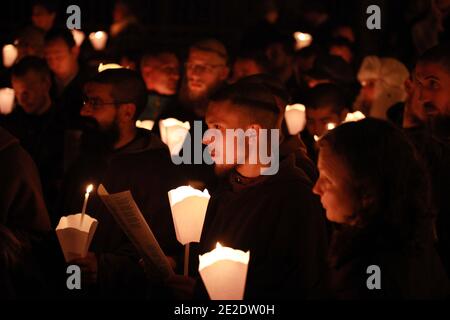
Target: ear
(127,112)
(255,127)
(224,73)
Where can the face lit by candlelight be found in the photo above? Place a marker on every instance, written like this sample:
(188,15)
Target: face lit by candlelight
(161,73)
(318,119)
(61,59)
(205,71)
(222,115)
(433,85)
(335,188)
(101,115)
(245,67)
(42,18)
(32,92)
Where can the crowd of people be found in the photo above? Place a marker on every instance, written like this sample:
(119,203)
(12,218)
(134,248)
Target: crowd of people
(346,196)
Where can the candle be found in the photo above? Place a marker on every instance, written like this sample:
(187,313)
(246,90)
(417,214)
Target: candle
(316,138)
(173,133)
(355,116)
(224,272)
(331,126)
(188,206)
(6,100)
(86,197)
(145,124)
(295,118)
(106,66)
(98,40)
(78,36)
(9,55)
(302,40)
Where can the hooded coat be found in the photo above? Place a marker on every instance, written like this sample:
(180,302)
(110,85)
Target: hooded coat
(281,222)
(144,167)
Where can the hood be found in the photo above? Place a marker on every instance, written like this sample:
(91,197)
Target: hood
(6,139)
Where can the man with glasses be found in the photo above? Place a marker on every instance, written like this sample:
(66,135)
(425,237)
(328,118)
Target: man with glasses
(121,157)
(206,69)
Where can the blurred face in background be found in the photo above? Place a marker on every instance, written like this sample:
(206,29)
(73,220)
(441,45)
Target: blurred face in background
(205,71)
(432,82)
(334,187)
(42,18)
(318,119)
(61,59)
(161,73)
(32,92)
(244,68)
(342,51)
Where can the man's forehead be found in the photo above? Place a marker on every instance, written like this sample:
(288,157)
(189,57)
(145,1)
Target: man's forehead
(221,111)
(428,70)
(205,56)
(57,44)
(97,89)
(322,111)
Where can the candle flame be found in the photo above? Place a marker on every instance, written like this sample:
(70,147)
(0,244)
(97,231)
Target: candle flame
(218,245)
(99,34)
(331,126)
(89,188)
(316,138)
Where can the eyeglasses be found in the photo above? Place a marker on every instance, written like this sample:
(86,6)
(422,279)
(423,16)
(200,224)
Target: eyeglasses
(95,103)
(201,68)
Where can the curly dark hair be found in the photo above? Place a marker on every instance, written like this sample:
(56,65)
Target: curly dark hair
(385,168)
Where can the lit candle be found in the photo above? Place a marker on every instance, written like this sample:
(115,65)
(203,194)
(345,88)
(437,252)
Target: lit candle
(224,272)
(86,197)
(78,36)
(145,124)
(295,118)
(354,116)
(9,55)
(6,100)
(331,126)
(188,206)
(98,40)
(316,138)
(106,66)
(302,40)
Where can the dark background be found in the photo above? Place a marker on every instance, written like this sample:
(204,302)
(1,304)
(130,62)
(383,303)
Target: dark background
(180,21)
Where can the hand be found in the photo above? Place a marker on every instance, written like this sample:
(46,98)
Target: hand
(182,287)
(89,268)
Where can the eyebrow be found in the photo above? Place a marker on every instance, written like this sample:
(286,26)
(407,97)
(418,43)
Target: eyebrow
(432,77)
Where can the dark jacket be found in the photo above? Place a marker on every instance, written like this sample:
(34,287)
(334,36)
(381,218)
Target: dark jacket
(24,223)
(406,272)
(144,167)
(21,203)
(295,145)
(435,152)
(42,136)
(279,220)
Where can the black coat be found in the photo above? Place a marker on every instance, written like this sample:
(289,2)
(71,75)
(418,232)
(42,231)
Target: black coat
(406,272)
(143,167)
(279,220)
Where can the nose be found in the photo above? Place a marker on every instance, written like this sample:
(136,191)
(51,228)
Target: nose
(424,96)
(316,189)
